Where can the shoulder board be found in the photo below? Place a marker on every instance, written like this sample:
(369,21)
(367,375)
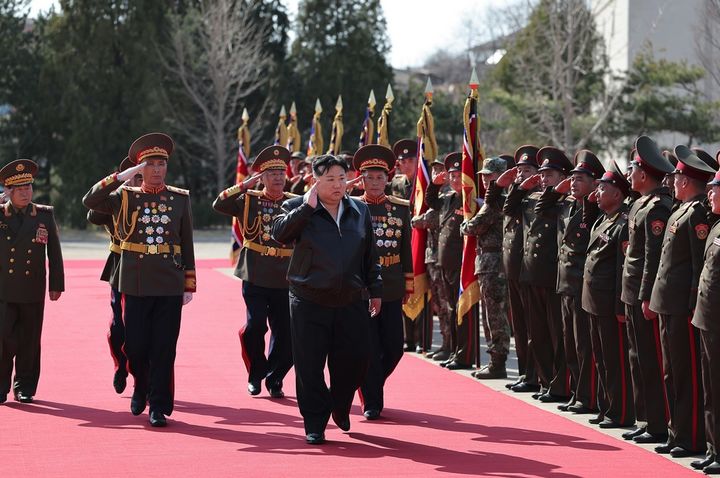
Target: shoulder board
(173,189)
(254,192)
(43,207)
(535,195)
(135,189)
(398,201)
(291,195)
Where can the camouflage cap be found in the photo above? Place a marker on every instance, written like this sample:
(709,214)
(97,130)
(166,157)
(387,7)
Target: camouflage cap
(493,165)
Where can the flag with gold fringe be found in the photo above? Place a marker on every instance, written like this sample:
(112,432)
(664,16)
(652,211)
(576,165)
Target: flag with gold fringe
(337,129)
(472,157)
(368,127)
(293,140)
(315,142)
(383,124)
(281,132)
(241,172)
(427,151)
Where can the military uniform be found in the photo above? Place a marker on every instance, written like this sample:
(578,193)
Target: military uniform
(673,298)
(262,266)
(450,244)
(575,219)
(486,225)
(705,318)
(391,225)
(157,266)
(601,291)
(27,236)
(646,224)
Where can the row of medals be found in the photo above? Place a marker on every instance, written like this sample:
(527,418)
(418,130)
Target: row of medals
(153,222)
(385,227)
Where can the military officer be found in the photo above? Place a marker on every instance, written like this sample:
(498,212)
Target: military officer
(391,224)
(525,166)
(673,299)
(450,244)
(647,219)
(406,153)
(262,266)
(116,334)
(602,284)
(296,183)
(574,222)
(28,234)
(487,226)
(157,268)
(705,318)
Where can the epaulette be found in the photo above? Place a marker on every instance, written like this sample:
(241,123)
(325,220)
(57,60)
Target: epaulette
(43,207)
(134,189)
(290,195)
(398,201)
(173,189)
(254,192)
(535,195)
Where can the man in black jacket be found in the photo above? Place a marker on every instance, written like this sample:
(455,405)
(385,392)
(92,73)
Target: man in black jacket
(334,271)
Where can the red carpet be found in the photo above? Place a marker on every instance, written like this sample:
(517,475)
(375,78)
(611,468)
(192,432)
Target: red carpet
(437,422)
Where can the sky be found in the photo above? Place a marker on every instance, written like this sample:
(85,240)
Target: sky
(416,28)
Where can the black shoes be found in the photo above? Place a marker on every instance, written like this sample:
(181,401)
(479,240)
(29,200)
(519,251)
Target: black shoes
(665,448)
(441,355)
(510,385)
(597,420)
(22,397)
(315,438)
(253,388)
(680,452)
(525,387)
(608,423)
(700,464)
(551,398)
(138,402)
(343,422)
(418,349)
(629,435)
(455,365)
(157,419)
(579,409)
(712,469)
(650,438)
(119,382)
(275,390)
(409,348)
(372,414)
(490,371)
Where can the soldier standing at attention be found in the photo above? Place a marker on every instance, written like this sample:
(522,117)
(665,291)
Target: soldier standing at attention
(157,268)
(28,235)
(673,298)
(647,219)
(487,226)
(391,225)
(526,166)
(706,320)
(602,285)
(262,266)
(575,219)
(450,244)
(116,334)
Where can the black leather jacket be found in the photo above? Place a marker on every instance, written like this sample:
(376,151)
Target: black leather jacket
(331,266)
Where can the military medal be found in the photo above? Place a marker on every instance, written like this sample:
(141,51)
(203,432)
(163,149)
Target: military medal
(41,236)
(701,230)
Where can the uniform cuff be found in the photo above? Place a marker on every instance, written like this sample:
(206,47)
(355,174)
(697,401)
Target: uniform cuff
(190,282)
(108,180)
(409,283)
(231,191)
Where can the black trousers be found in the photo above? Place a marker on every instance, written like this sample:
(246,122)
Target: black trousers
(646,370)
(20,332)
(578,351)
(386,350)
(683,381)
(546,339)
(152,326)
(266,306)
(610,357)
(116,334)
(451,282)
(413,330)
(339,336)
(519,295)
(710,349)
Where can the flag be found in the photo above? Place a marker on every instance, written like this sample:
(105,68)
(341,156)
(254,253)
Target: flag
(241,172)
(472,157)
(427,150)
(293,137)
(315,142)
(281,132)
(337,129)
(383,124)
(368,126)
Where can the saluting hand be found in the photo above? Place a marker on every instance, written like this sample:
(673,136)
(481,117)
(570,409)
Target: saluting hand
(440,178)
(531,182)
(311,198)
(3,197)
(507,178)
(563,186)
(250,182)
(130,173)
(354,182)
(593,196)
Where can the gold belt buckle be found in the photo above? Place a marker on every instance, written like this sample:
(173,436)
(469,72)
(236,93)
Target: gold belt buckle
(152,249)
(271,251)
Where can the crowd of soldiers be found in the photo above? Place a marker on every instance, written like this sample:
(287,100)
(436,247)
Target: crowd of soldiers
(606,278)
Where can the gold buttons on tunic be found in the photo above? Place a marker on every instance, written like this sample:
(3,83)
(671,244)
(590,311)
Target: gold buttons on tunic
(27,273)
(11,271)
(12,260)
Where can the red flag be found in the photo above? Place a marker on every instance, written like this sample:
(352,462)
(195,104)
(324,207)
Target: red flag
(241,173)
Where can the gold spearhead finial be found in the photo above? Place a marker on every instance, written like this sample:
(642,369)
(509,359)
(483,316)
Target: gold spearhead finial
(389,94)
(282,112)
(339,105)
(371,100)
(293,110)
(245,115)
(318,106)
(429,87)
(474,82)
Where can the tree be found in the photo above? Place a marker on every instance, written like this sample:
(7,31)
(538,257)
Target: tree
(215,53)
(341,48)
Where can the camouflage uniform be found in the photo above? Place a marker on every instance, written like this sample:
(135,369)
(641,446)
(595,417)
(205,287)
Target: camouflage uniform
(430,221)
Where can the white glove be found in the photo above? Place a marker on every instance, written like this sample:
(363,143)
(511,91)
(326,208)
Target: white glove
(131,172)
(3,197)
(187,297)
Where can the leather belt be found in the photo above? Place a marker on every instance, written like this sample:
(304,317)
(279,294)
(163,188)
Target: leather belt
(149,248)
(115,248)
(387,261)
(267,250)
